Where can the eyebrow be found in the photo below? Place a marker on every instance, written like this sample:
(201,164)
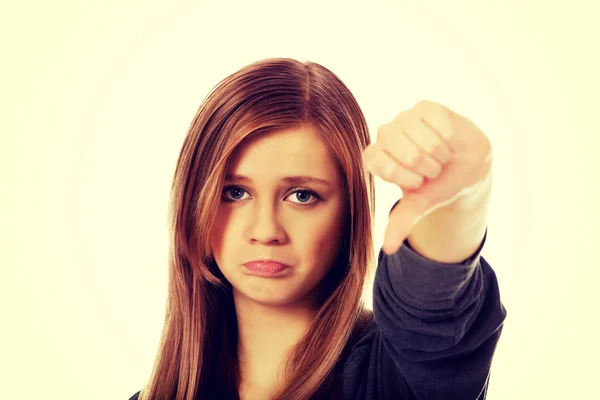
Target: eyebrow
(294,180)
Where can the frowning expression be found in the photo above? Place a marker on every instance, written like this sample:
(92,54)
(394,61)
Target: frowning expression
(283,199)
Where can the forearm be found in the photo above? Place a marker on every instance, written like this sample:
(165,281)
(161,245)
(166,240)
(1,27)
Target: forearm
(453,233)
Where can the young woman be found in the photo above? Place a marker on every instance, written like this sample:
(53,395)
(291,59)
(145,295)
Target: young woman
(271,212)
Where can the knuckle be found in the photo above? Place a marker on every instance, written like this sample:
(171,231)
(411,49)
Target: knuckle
(413,158)
(413,124)
(448,133)
(402,116)
(382,131)
(388,172)
(415,183)
(434,147)
(367,153)
(425,104)
(437,170)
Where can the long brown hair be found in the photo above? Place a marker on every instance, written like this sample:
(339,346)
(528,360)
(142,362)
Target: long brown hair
(197,355)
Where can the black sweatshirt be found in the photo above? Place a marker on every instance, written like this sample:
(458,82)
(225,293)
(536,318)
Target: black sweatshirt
(435,330)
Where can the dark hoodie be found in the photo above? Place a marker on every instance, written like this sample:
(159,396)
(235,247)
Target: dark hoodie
(434,333)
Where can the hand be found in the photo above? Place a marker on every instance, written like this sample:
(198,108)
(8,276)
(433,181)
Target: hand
(435,156)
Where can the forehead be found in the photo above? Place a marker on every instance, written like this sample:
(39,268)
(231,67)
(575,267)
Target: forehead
(285,152)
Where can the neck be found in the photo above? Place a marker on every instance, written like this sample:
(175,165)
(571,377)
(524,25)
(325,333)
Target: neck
(266,334)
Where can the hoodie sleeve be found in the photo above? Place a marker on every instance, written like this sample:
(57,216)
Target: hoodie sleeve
(439,323)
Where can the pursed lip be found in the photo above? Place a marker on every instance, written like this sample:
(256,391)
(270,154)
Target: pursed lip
(266,261)
(266,267)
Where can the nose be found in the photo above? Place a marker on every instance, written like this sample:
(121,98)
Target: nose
(265,225)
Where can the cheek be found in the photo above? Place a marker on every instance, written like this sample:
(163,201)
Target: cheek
(323,242)
(218,236)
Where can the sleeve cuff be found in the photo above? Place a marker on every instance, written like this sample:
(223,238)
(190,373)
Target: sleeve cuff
(427,284)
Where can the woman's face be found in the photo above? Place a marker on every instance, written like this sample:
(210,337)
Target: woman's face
(267,212)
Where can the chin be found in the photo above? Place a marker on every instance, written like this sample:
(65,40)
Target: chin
(272,295)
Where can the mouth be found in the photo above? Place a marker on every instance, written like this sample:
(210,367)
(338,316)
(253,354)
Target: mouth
(266,268)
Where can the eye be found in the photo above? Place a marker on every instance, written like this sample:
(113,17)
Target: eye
(303,195)
(236,191)
(234,194)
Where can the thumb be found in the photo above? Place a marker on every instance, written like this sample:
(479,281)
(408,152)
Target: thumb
(401,221)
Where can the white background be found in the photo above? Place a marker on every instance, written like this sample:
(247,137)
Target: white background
(96,98)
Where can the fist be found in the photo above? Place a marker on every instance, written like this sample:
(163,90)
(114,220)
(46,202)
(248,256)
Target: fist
(434,155)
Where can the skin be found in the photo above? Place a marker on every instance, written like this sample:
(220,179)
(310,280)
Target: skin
(442,163)
(261,218)
(440,160)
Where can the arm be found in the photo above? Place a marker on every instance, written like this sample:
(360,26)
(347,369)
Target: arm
(454,232)
(440,322)
(436,299)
